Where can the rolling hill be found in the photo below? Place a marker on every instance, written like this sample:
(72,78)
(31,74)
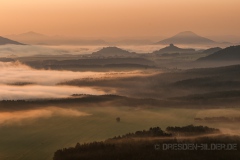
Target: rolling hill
(186,37)
(173,49)
(212,50)
(228,54)
(113,51)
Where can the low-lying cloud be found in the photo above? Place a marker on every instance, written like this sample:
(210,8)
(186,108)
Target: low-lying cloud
(32,50)
(20,116)
(19,81)
(219,113)
(12,72)
(42,92)
(42,82)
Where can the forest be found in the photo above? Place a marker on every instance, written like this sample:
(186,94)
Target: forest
(150,144)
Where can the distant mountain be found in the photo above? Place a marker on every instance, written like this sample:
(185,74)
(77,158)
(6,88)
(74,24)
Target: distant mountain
(212,50)
(113,51)
(186,37)
(41,39)
(29,35)
(228,54)
(173,49)
(4,41)
(30,38)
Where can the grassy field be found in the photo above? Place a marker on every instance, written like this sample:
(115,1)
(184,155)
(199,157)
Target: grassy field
(39,138)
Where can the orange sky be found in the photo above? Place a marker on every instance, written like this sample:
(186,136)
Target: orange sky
(114,18)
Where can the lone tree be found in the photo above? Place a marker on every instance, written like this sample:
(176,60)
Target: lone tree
(118,119)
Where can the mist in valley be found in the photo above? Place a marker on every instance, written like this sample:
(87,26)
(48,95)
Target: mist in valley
(55,105)
(19,81)
(101,80)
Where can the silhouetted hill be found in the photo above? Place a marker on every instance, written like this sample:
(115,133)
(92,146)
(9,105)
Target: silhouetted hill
(4,41)
(228,54)
(173,49)
(187,37)
(113,51)
(212,50)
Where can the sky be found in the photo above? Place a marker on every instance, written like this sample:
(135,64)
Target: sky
(120,18)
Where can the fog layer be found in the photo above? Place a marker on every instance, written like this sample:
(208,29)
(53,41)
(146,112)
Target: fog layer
(20,116)
(18,81)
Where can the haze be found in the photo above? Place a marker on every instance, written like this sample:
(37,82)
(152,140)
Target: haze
(82,71)
(120,18)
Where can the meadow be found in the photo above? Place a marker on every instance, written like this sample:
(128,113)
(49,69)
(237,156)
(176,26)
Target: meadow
(39,137)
